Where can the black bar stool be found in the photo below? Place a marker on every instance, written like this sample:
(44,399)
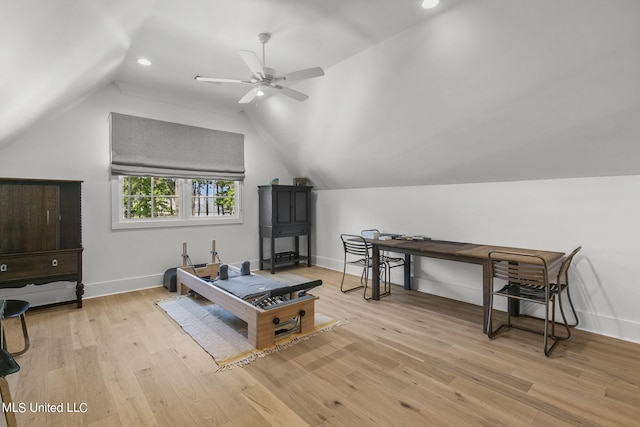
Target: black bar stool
(15,308)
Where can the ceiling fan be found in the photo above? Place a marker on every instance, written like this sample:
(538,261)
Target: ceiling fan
(264,78)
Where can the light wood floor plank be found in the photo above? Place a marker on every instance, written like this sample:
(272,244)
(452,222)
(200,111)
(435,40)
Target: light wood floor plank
(409,359)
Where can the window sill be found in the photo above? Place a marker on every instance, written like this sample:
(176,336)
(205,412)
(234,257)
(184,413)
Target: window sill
(165,223)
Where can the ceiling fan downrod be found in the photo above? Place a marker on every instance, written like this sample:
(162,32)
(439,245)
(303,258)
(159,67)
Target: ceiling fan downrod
(264,38)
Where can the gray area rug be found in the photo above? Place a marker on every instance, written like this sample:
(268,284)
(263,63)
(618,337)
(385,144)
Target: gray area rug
(224,336)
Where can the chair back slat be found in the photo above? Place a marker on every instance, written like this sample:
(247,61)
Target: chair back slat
(533,272)
(356,245)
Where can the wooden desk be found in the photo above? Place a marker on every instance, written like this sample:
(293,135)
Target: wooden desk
(453,251)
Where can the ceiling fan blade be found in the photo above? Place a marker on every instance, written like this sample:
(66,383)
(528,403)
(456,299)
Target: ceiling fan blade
(218,80)
(249,96)
(298,96)
(302,74)
(253,63)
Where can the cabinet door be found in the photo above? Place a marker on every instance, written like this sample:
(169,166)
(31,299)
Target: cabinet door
(28,218)
(283,206)
(301,207)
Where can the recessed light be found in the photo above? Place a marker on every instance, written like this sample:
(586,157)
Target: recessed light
(144,61)
(430,4)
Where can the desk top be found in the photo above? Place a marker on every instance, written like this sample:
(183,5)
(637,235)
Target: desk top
(466,252)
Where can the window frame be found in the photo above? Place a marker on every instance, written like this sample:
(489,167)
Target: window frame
(184,217)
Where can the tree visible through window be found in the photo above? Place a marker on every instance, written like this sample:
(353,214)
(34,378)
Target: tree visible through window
(153,198)
(212,198)
(148,197)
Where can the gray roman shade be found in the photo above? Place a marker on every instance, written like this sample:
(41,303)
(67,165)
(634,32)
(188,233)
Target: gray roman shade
(147,147)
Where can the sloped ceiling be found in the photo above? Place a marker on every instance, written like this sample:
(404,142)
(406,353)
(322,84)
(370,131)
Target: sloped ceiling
(57,51)
(475,91)
(487,91)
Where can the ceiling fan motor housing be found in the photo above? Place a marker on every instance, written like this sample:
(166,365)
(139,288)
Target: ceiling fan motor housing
(269,73)
(264,37)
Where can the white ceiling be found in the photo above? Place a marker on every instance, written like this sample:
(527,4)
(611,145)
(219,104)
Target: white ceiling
(203,37)
(472,91)
(62,50)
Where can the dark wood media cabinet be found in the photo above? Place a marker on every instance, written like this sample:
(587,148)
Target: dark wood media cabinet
(40,233)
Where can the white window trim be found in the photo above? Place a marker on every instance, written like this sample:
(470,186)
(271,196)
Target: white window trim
(184,219)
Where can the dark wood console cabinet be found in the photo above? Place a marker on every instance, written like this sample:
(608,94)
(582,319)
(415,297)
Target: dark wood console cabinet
(40,233)
(285,211)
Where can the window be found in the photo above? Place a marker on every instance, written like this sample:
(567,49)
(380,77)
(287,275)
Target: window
(143,202)
(212,198)
(167,174)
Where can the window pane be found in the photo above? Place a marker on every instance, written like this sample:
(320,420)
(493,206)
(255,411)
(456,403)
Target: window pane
(148,197)
(165,199)
(165,207)
(212,198)
(137,207)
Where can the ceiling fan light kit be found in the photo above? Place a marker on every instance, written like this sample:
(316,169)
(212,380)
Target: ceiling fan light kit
(264,78)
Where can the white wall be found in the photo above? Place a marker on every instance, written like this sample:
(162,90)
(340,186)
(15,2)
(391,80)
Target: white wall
(599,214)
(75,145)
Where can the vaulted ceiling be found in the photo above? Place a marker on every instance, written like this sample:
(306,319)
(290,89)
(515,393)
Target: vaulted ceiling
(57,51)
(473,91)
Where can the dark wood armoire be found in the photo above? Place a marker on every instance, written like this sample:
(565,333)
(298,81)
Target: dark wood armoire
(284,211)
(40,233)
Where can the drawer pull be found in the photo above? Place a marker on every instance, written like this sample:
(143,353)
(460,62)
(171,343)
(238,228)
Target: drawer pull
(54,263)
(3,267)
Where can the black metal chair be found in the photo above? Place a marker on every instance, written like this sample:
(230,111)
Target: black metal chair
(526,279)
(357,252)
(391,262)
(384,257)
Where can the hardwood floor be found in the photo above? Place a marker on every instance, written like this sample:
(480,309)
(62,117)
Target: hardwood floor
(409,359)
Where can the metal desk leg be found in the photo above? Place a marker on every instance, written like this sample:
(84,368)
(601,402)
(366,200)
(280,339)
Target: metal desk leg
(486,293)
(407,272)
(513,307)
(375,273)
